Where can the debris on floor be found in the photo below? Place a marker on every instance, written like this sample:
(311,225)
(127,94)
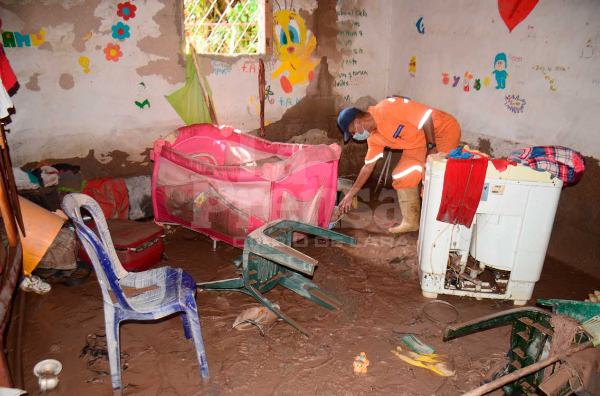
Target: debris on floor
(47,372)
(269,260)
(417,345)
(284,360)
(361,363)
(258,316)
(439,364)
(96,351)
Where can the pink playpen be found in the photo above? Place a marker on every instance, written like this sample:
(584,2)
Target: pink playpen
(226,184)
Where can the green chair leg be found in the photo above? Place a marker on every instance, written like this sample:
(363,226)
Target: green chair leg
(264,301)
(226,284)
(299,284)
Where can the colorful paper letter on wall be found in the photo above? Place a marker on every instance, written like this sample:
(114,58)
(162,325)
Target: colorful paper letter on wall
(16,39)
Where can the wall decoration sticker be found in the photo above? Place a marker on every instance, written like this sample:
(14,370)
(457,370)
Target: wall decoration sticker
(420,26)
(500,72)
(87,36)
(126,10)
(445,78)
(412,66)
(269,95)
(514,12)
(142,104)
(17,39)
(146,102)
(113,52)
(84,62)
(514,103)
(467,81)
(486,81)
(120,31)
(456,80)
(294,45)
(477,84)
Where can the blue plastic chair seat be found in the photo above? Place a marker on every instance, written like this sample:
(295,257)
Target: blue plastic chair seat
(139,296)
(165,292)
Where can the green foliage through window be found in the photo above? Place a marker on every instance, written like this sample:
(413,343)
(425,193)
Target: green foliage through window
(228,27)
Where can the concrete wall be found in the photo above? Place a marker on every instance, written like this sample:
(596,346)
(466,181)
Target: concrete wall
(552,92)
(553,65)
(64,112)
(90,117)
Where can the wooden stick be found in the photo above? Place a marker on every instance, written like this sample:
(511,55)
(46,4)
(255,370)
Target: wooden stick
(12,186)
(261,94)
(525,371)
(211,111)
(10,275)
(7,215)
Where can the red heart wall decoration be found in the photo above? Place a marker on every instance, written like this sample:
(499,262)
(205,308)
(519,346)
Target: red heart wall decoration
(514,12)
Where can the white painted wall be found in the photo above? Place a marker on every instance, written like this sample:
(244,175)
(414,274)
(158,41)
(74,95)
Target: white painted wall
(362,70)
(467,35)
(99,112)
(364,29)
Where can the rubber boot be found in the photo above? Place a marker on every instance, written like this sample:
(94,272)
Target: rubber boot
(410,206)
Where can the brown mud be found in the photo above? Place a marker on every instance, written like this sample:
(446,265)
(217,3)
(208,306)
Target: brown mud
(381,300)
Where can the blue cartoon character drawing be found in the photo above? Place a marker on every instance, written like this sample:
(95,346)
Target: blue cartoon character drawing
(500,72)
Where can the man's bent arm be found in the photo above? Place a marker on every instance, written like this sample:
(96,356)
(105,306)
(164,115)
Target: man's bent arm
(429,134)
(363,176)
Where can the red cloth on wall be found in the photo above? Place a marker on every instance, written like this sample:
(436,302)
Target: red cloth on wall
(463,185)
(6,72)
(111,195)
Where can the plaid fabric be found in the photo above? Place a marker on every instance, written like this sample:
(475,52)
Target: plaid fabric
(562,162)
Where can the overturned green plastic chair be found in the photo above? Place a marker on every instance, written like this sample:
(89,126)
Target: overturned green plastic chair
(269,260)
(531,336)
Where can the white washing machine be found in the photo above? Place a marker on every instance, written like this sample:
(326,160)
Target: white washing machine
(502,254)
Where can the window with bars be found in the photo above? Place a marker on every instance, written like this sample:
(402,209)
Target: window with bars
(227,27)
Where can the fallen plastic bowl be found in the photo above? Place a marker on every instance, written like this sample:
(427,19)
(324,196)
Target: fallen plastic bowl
(47,372)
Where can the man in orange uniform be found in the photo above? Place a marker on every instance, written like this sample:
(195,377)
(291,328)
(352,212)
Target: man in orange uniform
(400,124)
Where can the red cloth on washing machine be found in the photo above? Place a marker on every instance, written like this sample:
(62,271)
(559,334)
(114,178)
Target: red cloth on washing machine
(463,185)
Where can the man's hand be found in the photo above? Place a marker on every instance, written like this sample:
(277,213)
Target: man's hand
(432,151)
(362,178)
(346,203)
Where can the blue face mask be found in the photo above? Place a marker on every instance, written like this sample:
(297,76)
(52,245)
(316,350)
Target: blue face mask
(361,136)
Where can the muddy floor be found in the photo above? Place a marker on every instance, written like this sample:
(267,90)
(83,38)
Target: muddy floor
(381,300)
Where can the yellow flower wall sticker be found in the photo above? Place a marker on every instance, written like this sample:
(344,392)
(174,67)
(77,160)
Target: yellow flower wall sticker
(294,45)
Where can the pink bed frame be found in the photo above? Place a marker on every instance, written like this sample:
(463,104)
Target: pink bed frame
(226,184)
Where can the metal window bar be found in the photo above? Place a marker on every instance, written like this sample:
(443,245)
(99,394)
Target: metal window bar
(252,43)
(232,49)
(236,19)
(243,33)
(212,5)
(213,30)
(192,13)
(204,17)
(196,26)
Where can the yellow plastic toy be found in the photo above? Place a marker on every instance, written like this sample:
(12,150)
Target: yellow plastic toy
(360,363)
